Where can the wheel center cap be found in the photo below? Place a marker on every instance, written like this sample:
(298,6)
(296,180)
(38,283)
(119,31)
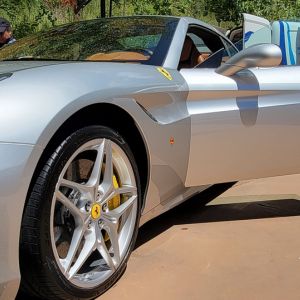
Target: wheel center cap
(96,211)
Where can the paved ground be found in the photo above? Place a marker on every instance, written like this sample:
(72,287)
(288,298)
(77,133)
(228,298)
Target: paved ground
(245,244)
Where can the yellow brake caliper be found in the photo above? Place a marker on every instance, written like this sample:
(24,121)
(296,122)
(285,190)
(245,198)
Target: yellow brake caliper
(113,203)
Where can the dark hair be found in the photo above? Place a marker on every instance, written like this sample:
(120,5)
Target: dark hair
(8,28)
(4,26)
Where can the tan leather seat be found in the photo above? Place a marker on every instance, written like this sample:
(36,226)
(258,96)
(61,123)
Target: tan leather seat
(190,56)
(118,55)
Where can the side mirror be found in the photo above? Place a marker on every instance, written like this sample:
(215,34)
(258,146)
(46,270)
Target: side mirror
(263,55)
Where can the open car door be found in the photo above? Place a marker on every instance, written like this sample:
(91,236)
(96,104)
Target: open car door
(256,30)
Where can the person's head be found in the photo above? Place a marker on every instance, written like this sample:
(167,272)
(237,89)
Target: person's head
(5,31)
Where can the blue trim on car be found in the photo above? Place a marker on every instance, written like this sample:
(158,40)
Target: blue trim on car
(248,35)
(282,42)
(291,53)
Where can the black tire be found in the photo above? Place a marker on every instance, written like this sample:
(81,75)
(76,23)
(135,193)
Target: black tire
(41,275)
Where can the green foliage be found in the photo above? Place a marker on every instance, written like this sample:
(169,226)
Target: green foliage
(26,16)
(271,9)
(223,10)
(231,10)
(29,16)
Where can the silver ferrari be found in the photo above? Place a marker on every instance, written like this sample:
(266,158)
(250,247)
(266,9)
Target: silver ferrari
(106,124)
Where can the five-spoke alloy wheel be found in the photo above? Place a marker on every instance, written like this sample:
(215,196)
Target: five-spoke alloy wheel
(81,219)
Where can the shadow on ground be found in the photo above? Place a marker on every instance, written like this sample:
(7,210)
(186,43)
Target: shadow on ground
(195,211)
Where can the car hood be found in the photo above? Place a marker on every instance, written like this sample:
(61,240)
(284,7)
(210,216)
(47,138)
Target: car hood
(14,66)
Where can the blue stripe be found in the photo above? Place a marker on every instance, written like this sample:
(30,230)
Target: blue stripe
(292,58)
(248,36)
(282,42)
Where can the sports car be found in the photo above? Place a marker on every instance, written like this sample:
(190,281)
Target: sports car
(107,123)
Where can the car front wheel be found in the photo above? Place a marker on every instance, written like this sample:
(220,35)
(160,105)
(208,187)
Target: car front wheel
(81,219)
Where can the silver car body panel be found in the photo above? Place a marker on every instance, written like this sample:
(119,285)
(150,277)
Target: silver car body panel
(235,120)
(94,83)
(54,106)
(216,124)
(17,164)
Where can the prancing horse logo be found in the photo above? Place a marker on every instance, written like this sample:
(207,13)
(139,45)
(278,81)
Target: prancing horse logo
(96,211)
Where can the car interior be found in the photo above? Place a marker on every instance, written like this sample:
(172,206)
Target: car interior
(202,49)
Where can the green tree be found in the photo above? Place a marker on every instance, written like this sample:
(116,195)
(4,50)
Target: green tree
(271,9)
(223,10)
(231,10)
(26,16)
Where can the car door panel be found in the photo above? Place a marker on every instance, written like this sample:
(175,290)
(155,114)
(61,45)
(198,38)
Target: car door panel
(242,127)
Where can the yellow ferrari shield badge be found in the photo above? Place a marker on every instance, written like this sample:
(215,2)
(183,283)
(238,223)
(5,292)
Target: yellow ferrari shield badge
(96,211)
(164,72)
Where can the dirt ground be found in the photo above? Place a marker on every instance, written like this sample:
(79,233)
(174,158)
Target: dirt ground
(239,244)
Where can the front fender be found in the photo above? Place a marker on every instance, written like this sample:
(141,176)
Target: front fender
(35,102)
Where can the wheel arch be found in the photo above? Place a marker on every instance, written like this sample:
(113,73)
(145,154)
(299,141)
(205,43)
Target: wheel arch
(109,115)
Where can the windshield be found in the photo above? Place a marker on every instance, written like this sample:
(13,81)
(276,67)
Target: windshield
(132,39)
